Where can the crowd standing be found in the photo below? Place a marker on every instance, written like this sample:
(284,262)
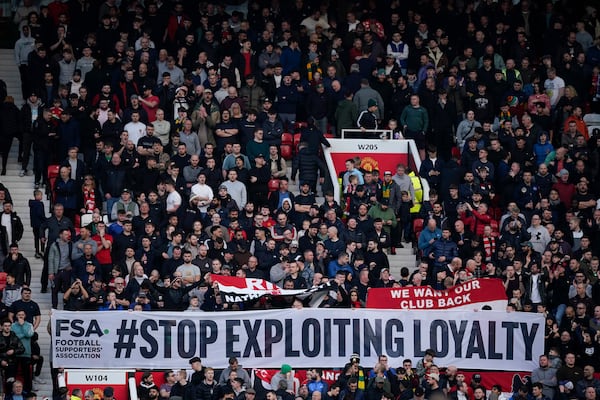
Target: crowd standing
(167,121)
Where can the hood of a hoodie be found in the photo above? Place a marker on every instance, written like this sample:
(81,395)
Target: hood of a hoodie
(38,103)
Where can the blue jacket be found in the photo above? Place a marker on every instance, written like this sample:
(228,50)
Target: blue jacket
(446,248)
(37,215)
(541,151)
(290,60)
(66,193)
(69,136)
(24,333)
(426,236)
(334,267)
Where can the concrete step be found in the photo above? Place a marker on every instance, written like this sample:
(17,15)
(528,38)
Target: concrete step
(10,74)
(21,190)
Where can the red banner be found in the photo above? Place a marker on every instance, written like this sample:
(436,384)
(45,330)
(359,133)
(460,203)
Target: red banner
(509,381)
(471,295)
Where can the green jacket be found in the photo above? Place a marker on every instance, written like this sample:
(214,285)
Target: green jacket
(415,119)
(376,212)
(346,115)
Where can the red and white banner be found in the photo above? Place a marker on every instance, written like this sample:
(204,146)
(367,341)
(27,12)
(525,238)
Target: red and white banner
(471,295)
(509,381)
(235,290)
(97,380)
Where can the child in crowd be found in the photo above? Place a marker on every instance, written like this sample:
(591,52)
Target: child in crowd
(37,216)
(396,132)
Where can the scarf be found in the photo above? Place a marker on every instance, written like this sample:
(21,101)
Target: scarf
(489,246)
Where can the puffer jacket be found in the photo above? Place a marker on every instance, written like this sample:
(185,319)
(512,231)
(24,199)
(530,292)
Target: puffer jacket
(446,248)
(309,165)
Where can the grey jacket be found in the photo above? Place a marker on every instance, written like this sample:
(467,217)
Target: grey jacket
(241,373)
(547,377)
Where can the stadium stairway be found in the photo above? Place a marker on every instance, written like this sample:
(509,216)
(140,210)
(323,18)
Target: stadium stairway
(21,190)
(403,258)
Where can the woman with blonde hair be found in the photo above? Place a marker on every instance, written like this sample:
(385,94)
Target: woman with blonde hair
(567,103)
(92,201)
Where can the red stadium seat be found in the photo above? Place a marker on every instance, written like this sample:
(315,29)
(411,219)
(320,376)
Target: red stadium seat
(297,137)
(53,171)
(52,174)
(456,152)
(287,138)
(2,281)
(418,226)
(273,185)
(286,151)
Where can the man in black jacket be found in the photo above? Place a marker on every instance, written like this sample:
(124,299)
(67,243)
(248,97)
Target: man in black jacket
(10,347)
(11,229)
(30,112)
(44,135)
(309,165)
(15,263)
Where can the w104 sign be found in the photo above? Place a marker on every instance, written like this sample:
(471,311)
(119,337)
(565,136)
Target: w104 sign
(471,295)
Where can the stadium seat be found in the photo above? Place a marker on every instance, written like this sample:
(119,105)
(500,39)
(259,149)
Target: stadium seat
(418,227)
(85,220)
(286,151)
(273,185)
(591,119)
(2,281)
(52,175)
(297,137)
(287,138)
(456,152)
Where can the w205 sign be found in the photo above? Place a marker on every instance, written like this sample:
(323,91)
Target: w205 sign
(303,338)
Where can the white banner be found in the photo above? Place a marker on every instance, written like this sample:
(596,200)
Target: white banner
(302,338)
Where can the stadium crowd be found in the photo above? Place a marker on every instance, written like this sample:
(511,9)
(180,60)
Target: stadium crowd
(168,124)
